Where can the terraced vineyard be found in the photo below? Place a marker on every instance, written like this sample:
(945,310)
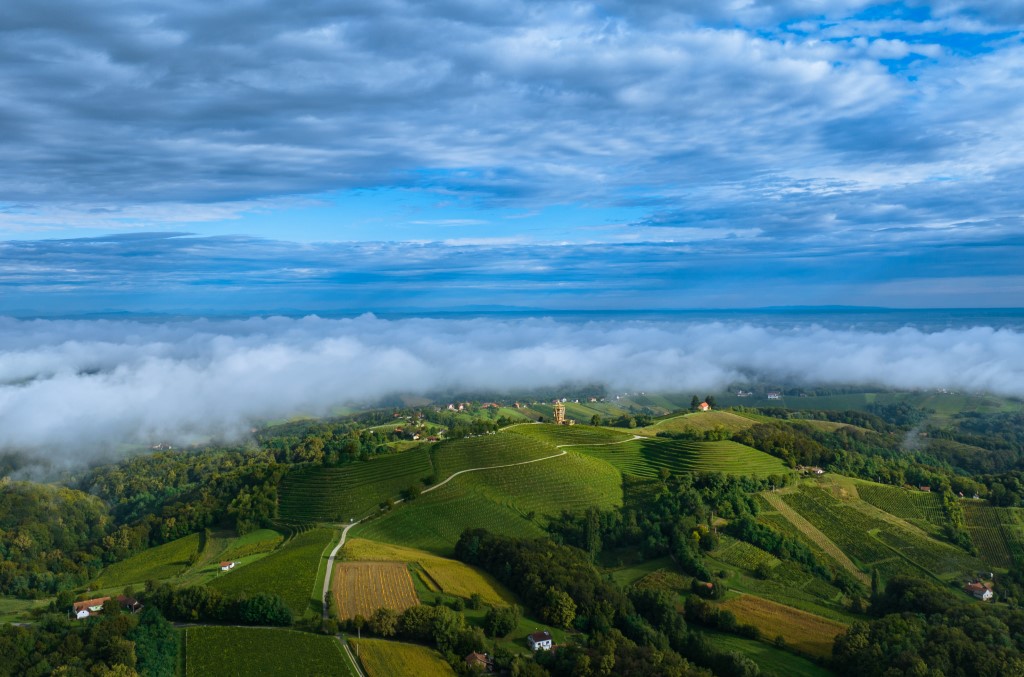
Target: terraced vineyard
(360,588)
(290,572)
(575,434)
(318,494)
(510,501)
(644,458)
(987,532)
(700,421)
(488,450)
(870,541)
(911,505)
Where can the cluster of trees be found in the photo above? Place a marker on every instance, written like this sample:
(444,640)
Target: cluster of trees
(924,629)
(112,643)
(200,603)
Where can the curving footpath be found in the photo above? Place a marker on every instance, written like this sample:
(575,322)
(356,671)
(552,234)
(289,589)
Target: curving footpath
(344,531)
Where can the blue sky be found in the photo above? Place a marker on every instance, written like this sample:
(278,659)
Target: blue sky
(252,156)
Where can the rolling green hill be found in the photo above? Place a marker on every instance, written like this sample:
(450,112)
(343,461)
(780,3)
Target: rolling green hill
(699,421)
(644,458)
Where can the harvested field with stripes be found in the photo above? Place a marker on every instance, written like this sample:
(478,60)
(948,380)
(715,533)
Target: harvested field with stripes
(360,588)
(805,631)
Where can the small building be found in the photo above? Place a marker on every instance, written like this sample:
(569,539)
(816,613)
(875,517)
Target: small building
(704,406)
(480,662)
(774,395)
(88,607)
(925,488)
(539,641)
(227,566)
(979,591)
(129,603)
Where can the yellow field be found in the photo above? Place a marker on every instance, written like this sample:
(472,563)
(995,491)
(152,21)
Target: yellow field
(452,576)
(381,658)
(802,630)
(360,588)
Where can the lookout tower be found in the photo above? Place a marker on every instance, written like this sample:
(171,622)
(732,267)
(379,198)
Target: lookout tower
(559,413)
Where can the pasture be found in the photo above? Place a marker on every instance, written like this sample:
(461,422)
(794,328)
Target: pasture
(646,457)
(807,632)
(230,651)
(383,658)
(360,588)
(159,563)
(451,576)
(314,493)
(509,501)
(290,572)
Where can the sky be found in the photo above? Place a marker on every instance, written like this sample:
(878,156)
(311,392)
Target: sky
(253,157)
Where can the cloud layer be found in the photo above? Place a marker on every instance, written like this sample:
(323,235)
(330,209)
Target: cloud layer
(72,389)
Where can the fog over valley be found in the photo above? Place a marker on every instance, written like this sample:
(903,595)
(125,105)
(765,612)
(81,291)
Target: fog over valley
(72,390)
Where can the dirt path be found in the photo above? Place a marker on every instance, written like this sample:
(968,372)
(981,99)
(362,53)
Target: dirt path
(812,532)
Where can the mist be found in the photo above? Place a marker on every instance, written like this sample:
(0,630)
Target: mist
(73,390)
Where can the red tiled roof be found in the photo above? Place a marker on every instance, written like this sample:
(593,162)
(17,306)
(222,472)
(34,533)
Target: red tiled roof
(86,603)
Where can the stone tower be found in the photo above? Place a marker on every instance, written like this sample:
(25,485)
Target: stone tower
(559,413)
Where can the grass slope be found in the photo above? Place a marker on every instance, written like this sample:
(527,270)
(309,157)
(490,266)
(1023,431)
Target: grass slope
(159,563)
(314,493)
(575,434)
(773,662)
(230,651)
(644,458)
(699,421)
(501,500)
(290,572)
(381,658)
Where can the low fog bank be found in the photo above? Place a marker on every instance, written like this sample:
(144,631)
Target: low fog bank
(70,390)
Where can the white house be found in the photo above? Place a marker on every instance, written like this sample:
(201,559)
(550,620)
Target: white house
(774,395)
(227,566)
(979,591)
(539,641)
(87,607)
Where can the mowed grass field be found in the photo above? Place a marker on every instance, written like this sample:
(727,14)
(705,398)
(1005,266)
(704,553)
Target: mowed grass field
(231,651)
(381,658)
(451,576)
(360,588)
(804,631)
(159,563)
(314,493)
(644,458)
(510,501)
(291,572)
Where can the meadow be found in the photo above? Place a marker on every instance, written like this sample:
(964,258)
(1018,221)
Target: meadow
(290,571)
(646,457)
(383,658)
(360,588)
(230,651)
(159,563)
(774,662)
(510,501)
(803,631)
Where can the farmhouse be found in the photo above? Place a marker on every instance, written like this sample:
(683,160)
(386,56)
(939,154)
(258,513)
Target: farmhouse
(979,591)
(774,395)
(539,641)
(704,406)
(479,661)
(227,566)
(87,607)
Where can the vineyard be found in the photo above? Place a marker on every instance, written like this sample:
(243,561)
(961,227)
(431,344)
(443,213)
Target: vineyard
(452,576)
(701,421)
(807,632)
(989,533)
(576,434)
(360,588)
(290,571)
(381,658)
(772,661)
(644,458)
(509,501)
(159,563)
(488,450)
(228,651)
(252,543)
(922,508)
(871,541)
(325,494)
(744,555)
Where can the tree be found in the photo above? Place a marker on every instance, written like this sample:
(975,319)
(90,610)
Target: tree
(710,399)
(500,621)
(560,609)
(446,627)
(384,622)
(595,419)
(694,403)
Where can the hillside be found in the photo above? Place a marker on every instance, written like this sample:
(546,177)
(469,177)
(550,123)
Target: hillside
(646,457)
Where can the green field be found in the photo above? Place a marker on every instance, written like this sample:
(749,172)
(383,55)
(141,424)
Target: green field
(571,434)
(252,543)
(381,658)
(644,458)
(921,508)
(501,500)
(773,662)
(873,542)
(700,422)
(230,651)
(159,563)
(488,450)
(315,493)
(291,572)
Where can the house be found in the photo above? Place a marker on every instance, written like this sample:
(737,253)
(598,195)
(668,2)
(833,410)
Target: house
(227,566)
(479,661)
(925,488)
(979,591)
(88,607)
(129,603)
(539,641)
(774,395)
(704,406)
